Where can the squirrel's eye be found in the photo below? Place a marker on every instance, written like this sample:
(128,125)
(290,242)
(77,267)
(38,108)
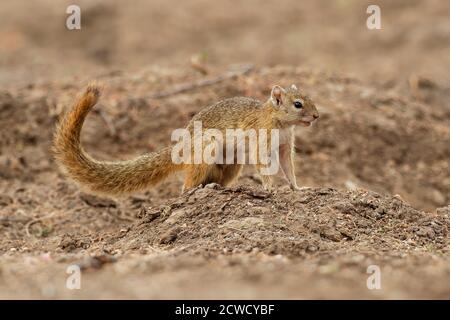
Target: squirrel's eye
(298,104)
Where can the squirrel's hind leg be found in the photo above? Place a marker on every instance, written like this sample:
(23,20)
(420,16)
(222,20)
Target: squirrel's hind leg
(230,172)
(196,175)
(204,174)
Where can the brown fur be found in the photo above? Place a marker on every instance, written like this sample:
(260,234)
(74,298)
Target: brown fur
(142,172)
(101,176)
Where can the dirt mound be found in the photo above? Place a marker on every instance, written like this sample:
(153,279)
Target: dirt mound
(215,220)
(312,243)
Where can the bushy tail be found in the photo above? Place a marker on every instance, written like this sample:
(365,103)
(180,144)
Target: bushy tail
(101,176)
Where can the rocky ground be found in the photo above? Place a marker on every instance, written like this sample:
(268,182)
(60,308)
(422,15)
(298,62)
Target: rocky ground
(376,162)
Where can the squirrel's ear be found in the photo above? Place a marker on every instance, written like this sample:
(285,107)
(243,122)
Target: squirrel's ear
(277,95)
(294,87)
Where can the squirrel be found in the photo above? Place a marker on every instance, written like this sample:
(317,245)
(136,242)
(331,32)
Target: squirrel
(284,109)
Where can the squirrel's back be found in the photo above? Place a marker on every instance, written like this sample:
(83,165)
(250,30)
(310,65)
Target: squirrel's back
(229,113)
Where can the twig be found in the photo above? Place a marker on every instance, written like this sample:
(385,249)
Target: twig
(202,83)
(30,223)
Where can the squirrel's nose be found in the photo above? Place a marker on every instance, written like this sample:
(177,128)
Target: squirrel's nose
(316,116)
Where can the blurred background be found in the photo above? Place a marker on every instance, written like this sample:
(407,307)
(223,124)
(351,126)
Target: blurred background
(326,35)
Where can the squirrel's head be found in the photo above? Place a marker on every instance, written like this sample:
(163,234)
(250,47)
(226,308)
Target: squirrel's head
(292,107)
